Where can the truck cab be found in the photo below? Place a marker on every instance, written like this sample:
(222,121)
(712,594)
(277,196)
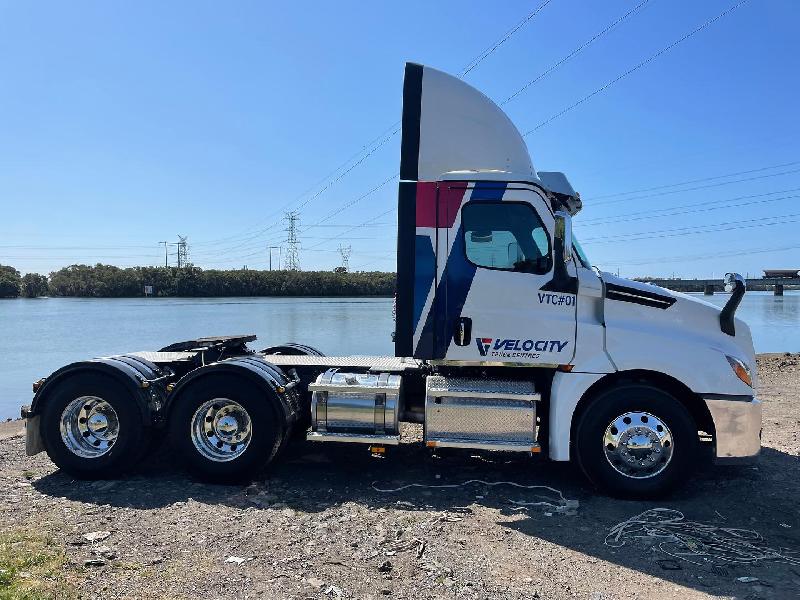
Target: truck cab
(506,339)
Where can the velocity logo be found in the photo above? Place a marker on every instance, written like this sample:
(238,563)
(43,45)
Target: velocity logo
(483,345)
(511,348)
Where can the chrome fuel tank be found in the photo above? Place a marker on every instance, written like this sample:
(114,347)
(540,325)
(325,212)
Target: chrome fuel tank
(357,404)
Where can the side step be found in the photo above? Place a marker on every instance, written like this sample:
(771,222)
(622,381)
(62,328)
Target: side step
(485,414)
(379,440)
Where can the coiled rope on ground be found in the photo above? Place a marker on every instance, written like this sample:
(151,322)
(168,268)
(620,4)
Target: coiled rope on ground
(559,504)
(693,541)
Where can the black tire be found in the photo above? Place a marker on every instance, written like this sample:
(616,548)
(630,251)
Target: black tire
(130,444)
(610,404)
(292,349)
(267,422)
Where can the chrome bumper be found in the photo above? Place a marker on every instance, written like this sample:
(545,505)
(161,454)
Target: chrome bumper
(737,427)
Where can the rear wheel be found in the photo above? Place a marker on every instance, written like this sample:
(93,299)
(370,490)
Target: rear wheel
(225,429)
(636,440)
(92,428)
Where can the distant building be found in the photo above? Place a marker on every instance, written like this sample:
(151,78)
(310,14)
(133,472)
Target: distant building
(780,273)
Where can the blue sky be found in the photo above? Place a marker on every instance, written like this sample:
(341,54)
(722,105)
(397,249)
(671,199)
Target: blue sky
(125,125)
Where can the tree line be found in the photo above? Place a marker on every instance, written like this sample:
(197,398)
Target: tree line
(108,281)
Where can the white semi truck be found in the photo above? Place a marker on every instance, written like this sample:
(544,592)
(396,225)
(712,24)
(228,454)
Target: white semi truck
(506,339)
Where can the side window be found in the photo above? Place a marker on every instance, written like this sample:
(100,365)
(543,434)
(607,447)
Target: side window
(505,235)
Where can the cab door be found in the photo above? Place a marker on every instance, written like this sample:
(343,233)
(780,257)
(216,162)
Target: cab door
(502,302)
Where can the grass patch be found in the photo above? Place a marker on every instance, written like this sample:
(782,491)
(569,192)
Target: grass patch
(32,567)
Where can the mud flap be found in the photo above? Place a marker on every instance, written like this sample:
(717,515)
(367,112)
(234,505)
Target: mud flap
(33,436)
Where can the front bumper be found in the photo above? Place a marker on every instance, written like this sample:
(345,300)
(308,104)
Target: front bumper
(737,427)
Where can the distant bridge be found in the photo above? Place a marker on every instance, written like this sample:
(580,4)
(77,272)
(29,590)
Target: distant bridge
(709,286)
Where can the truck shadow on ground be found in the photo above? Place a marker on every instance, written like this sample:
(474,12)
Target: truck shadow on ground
(760,497)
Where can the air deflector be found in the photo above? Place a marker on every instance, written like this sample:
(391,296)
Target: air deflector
(450,126)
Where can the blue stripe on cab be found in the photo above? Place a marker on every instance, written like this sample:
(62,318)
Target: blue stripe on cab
(424,275)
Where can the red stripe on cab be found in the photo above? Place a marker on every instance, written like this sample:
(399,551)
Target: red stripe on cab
(450,196)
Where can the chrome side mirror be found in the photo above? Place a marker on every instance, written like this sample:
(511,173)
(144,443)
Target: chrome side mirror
(562,236)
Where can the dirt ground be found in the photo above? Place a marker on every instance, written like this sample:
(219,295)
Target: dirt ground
(317,527)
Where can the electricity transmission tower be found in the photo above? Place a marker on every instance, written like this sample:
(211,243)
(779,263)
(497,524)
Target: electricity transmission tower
(292,261)
(344,252)
(183,251)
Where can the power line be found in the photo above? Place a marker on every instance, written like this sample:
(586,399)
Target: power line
(609,84)
(575,52)
(305,193)
(692,230)
(347,205)
(49,247)
(699,187)
(353,166)
(633,69)
(701,180)
(354,227)
(470,67)
(483,55)
(704,255)
(382,139)
(645,215)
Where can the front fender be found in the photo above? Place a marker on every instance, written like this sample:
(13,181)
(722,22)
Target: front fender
(566,391)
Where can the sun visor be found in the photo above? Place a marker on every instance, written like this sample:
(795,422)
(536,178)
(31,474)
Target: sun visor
(450,126)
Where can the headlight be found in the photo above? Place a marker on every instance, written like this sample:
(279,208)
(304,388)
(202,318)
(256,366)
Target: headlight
(741,370)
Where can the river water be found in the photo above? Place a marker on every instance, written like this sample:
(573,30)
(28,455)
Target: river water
(39,335)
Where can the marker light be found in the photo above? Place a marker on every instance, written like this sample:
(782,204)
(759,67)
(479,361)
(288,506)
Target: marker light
(741,370)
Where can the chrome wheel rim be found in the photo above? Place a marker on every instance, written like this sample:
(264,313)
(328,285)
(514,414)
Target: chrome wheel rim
(638,445)
(89,427)
(221,430)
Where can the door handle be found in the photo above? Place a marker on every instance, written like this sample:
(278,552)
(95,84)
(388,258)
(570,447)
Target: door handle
(463,331)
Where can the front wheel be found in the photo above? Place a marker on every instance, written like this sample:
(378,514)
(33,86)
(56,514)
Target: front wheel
(636,440)
(225,429)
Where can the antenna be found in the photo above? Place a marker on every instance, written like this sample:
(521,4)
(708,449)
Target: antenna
(345,252)
(292,262)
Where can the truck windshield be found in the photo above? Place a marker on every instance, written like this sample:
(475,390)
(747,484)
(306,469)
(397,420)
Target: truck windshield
(580,253)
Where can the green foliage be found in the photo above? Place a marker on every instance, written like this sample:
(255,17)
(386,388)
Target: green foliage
(34,285)
(114,282)
(32,567)
(9,282)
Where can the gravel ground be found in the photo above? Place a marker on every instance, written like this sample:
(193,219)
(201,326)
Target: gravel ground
(317,528)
